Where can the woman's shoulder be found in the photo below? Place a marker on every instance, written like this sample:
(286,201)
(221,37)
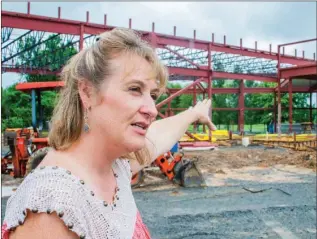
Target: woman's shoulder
(48,189)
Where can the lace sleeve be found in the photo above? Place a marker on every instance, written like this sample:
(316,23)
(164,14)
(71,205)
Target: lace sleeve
(46,193)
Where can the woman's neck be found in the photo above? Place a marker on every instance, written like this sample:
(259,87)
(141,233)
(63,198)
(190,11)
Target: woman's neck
(93,153)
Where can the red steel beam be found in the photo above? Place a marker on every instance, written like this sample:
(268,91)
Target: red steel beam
(246,90)
(251,109)
(226,109)
(54,84)
(300,71)
(230,49)
(187,72)
(203,90)
(298,42)
(284,83)
(170,98)
(217,74)
(49,85)
(64,26)
(172,70)
(236,109)
(29,71)
(225,75)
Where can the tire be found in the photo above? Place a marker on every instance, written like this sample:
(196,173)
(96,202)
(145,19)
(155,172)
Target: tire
(35,159)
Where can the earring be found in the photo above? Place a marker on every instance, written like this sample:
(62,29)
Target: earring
(86,125)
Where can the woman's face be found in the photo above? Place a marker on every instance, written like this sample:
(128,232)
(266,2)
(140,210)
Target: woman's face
(127,107)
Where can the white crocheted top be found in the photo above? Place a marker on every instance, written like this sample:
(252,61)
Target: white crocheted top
(50,189)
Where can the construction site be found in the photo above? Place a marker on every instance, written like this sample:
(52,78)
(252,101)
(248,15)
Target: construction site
(252,184)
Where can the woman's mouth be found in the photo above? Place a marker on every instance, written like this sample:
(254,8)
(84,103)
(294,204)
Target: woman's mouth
(140,127)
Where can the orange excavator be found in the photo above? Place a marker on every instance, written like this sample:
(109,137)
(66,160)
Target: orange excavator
(177,169)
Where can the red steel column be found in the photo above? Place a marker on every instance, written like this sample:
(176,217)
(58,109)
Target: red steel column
(204,126)
(209,86)
(310,107)
(195,101)
(241,107)
(290,105)
(81,37)
(274,112)
(279,110)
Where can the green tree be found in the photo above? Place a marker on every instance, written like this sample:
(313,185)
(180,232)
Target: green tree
(51,55)
(16,112)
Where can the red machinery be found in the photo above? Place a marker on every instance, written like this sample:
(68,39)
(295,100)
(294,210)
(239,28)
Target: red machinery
(177,169)
(22,143)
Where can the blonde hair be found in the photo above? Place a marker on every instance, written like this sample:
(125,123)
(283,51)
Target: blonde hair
(93,64)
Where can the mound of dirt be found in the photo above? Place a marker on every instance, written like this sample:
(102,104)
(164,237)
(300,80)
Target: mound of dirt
(238,157)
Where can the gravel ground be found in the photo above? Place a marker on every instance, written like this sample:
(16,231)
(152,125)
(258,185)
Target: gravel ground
(255,193)
(279,211)
(285,211)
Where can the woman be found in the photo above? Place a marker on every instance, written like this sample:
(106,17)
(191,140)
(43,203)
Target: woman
(102,133)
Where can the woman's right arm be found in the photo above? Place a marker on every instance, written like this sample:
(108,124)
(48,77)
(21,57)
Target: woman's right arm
(43,226)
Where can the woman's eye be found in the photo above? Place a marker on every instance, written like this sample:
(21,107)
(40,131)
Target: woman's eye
(154,97)
(135,89)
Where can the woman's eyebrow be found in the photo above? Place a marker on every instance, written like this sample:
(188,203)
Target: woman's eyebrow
(141,83)
(156,90)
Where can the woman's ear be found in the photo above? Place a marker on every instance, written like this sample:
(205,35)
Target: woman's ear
(86,92)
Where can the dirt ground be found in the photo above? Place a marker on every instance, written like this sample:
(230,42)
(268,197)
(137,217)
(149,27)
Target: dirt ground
(227,161)
(238,157)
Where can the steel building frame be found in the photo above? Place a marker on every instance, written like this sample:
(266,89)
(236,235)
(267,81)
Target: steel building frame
(186,58)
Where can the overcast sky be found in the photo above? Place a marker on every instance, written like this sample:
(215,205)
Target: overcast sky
(270,22)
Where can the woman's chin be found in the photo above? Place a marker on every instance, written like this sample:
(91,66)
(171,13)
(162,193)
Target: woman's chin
(135,145)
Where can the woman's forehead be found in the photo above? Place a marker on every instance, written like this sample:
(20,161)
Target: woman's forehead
(135,68)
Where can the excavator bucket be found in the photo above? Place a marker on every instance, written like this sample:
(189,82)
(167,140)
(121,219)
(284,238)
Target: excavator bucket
(191,177)
(187,174)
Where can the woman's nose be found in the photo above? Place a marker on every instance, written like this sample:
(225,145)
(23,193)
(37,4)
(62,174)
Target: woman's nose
(149,108)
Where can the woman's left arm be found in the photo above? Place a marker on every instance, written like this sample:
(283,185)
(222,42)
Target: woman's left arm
(163,134)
